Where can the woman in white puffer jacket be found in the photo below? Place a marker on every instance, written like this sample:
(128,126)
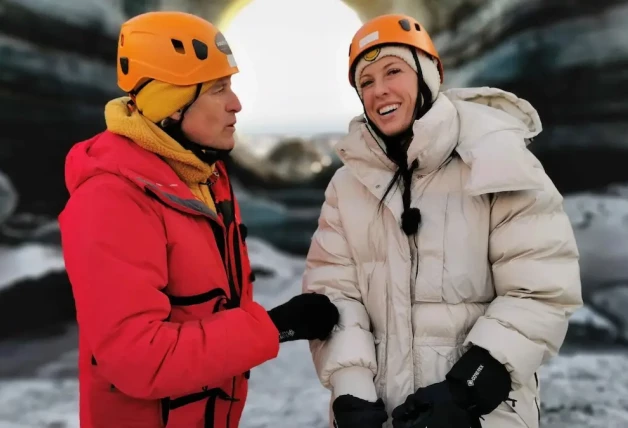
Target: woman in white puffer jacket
(444,245)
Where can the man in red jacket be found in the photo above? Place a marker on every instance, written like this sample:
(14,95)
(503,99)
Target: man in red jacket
(154,243)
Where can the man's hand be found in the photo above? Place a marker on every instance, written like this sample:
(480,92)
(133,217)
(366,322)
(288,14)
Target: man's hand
(306,316)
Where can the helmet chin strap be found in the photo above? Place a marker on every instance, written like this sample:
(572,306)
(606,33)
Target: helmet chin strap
(174,129)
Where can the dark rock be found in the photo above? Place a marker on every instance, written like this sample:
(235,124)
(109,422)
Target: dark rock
(611,302)
(600,221)
(24,228)
(569,58)
(56,73)
(55,24)
(277,219)
(8,198)
(294,164)
(36,306)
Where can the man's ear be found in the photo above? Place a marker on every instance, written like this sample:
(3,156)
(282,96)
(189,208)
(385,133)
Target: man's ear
(172,119)
(176,116)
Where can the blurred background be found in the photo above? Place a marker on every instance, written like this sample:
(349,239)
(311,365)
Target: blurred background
(569,58)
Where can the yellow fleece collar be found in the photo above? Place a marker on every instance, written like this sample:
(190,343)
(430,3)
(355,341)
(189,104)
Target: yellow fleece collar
(122,120)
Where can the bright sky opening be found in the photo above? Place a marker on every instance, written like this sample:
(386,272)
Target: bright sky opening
(293,61)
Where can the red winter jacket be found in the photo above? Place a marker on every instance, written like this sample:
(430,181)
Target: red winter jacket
(167,327)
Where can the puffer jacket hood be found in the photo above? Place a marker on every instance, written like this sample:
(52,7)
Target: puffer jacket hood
(502,112)
(473,122)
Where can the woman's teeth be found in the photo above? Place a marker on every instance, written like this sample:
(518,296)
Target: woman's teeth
(388,109)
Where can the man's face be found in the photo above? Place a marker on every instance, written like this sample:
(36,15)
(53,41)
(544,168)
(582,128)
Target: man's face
(210,120)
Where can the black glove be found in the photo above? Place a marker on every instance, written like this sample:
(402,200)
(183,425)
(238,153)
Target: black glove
(441,415)
(475,386)
(306,316)
(435,406)
(353,412)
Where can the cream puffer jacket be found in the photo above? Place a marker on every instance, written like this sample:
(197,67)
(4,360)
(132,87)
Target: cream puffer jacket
(497,258)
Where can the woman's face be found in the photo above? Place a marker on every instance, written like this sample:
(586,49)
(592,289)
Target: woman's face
(389,88)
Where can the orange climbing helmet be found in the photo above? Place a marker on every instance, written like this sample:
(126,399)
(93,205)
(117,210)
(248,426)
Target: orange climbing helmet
(172,47)
(391,29)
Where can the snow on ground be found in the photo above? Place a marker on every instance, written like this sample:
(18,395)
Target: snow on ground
(579,390)
(28,261)
(39,403)
(585,390)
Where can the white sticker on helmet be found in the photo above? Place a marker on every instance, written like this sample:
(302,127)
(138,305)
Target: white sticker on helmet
(368,39)
(232,61)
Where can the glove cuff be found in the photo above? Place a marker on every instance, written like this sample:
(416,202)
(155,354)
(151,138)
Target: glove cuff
(483,380)
(278,318)
(356,381)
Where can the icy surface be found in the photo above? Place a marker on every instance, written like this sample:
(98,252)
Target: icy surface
(39,403)
(85,13)
(585,390)
(29,261)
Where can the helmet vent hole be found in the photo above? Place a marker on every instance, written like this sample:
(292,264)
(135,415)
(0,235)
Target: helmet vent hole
(200,49)
(124,65)
(405,24)
(178,46)
(417,27)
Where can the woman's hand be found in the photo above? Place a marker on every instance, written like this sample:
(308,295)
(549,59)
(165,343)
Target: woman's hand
(353,412)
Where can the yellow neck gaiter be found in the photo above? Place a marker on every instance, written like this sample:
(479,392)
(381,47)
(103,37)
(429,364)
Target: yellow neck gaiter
(121,120)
